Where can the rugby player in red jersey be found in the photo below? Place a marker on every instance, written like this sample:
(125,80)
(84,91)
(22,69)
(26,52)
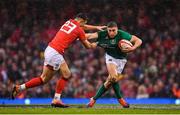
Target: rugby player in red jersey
(54,60)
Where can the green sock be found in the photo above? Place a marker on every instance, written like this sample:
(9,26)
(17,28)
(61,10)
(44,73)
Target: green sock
(99,93)
(116,89)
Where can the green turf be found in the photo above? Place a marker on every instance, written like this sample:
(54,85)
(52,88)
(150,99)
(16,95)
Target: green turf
(98,109)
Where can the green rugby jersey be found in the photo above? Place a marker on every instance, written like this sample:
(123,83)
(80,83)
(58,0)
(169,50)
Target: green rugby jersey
(110,45)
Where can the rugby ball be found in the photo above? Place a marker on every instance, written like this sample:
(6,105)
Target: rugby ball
(123,44)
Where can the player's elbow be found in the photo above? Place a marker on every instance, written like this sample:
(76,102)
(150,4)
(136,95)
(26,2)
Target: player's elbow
(88,47)
(140,41)
(87,44)
(137,40)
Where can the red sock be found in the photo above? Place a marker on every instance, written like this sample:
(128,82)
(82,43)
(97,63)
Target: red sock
(60,85)
(34,82)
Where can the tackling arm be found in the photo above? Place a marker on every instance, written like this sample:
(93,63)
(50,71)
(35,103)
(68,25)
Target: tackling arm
(90,36)
(88,45)
(91,27)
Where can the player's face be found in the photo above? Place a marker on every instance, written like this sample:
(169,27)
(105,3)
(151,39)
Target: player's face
(112,31)
(83,22)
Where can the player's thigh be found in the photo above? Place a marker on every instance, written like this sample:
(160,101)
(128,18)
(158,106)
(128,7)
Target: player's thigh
(111,65)
(108,82)
(65,71)
(52,63)
(53,58)
(47,73)
(120,65)
(112,69)
(120,77)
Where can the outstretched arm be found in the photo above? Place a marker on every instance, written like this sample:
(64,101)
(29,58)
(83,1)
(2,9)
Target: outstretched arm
(91,27)
(90,36)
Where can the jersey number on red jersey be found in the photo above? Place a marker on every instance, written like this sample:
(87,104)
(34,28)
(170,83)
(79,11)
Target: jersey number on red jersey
(68,27)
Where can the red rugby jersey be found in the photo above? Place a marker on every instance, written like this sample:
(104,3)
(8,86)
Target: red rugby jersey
(68,32)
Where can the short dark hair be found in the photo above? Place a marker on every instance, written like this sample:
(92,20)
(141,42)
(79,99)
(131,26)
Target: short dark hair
(112,24)
(82,15)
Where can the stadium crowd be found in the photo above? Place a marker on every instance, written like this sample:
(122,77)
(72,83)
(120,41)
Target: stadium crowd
(153,70)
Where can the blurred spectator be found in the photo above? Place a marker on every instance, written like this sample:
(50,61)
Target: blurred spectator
(142,92)
(176,90)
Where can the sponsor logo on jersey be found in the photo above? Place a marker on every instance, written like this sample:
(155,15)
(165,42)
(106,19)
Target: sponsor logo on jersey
(113,41)
(110,60)
(106,37)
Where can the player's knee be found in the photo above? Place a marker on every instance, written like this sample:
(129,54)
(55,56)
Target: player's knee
(67,74)
(107,84)
(113,79)
(45,79)
(121,77)
(116,79)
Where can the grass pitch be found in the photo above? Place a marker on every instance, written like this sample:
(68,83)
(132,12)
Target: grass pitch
(97,109)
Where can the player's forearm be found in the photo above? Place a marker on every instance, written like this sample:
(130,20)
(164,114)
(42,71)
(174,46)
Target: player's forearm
(137,42)
(89,36)
(90,27)
(88,45)
(91,46)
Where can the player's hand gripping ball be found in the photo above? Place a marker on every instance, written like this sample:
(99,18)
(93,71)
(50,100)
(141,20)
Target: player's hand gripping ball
(124,44)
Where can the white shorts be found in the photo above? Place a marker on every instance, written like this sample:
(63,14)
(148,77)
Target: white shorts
(120,63)
(53,58)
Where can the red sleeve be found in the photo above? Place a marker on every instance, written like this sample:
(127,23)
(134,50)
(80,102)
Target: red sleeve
(82,36)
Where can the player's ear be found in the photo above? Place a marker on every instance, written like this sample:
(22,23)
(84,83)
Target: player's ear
(82,22)
(85,21)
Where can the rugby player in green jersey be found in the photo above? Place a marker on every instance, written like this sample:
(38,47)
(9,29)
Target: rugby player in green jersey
(115,58)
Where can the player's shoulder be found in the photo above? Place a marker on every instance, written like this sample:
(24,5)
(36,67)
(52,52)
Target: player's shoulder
(72,20)
(124,34)
(102,34)
(121,31)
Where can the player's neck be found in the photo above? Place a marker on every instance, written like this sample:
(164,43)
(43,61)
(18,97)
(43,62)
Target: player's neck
(77,20)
